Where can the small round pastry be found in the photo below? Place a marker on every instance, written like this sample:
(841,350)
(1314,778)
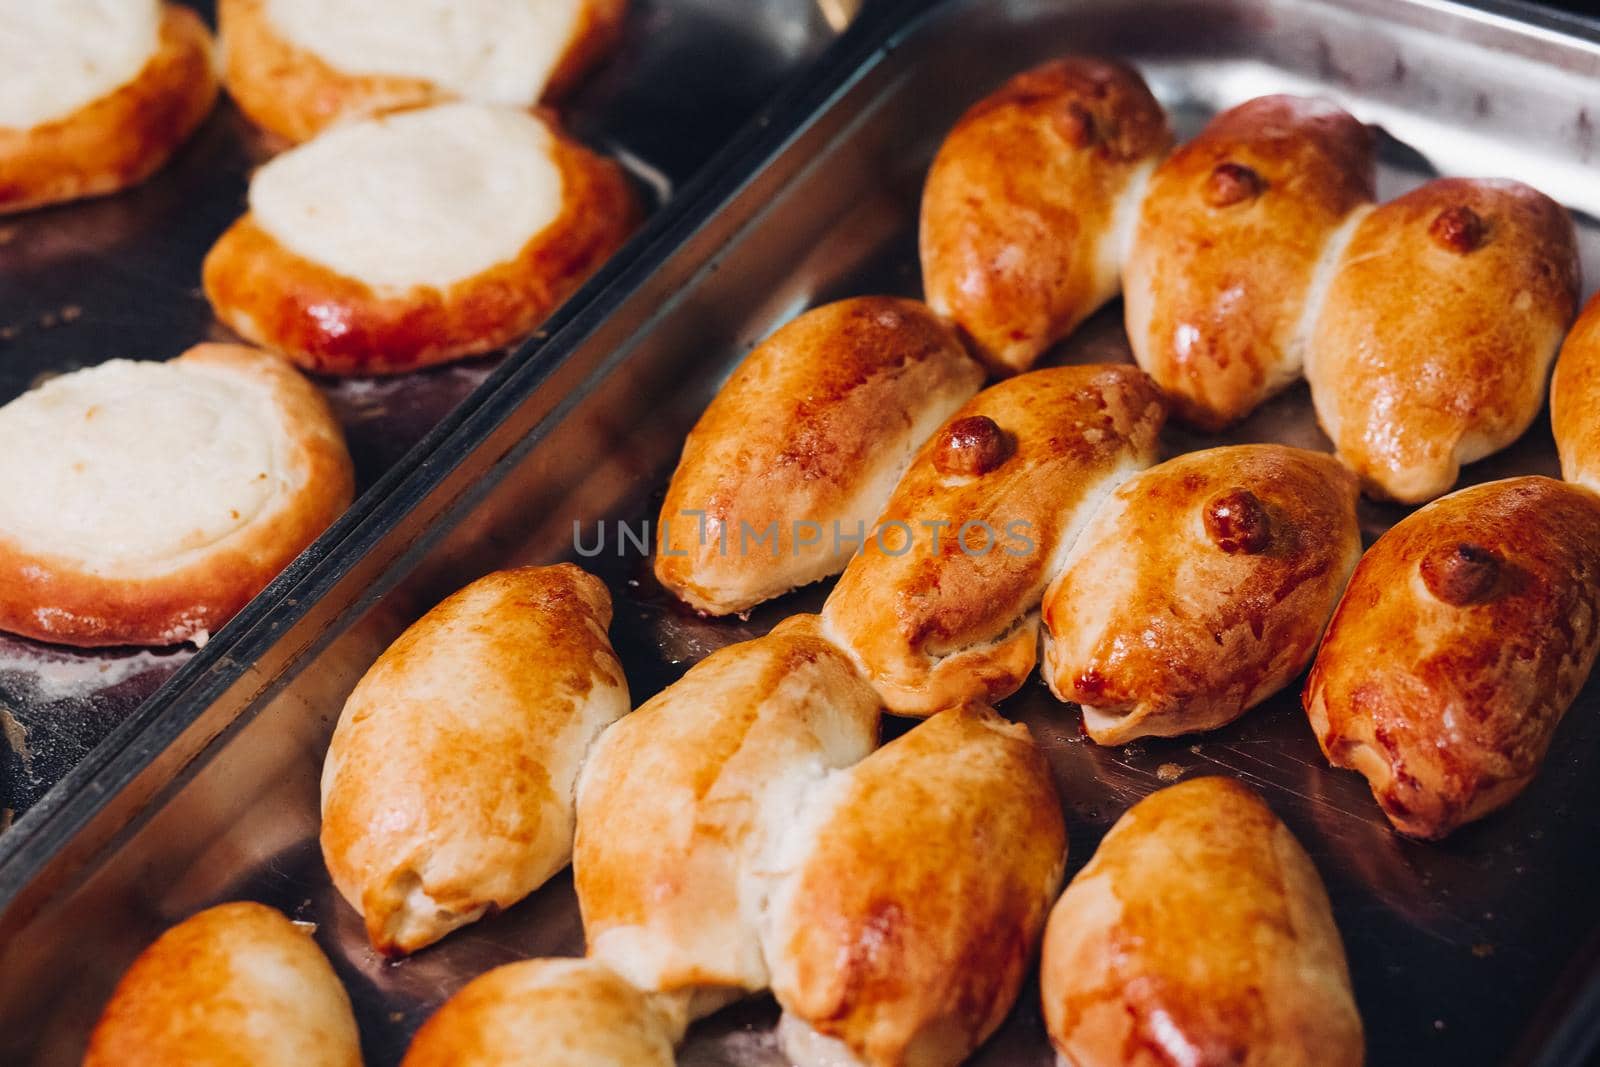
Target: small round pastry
(96,95)
(146,503)
(297,66)
(1575,400)
(417,238)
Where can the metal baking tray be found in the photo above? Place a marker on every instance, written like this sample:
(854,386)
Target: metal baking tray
(1479,950)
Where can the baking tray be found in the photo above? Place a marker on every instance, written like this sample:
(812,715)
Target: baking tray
(1479,950)
(119,277)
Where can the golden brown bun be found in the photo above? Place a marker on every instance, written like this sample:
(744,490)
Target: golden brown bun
(814,427)
(1198,934)
(447,791)
(1026,205)
(236,984)
(295,93)
(1199,589)
(544,1013)
(123,137)
(1433,344)
(1575,400)
(1229,238)
(914,896)
(932,623)
(1462,639)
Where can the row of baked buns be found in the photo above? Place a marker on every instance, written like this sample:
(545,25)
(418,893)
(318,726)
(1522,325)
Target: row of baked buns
(743,831)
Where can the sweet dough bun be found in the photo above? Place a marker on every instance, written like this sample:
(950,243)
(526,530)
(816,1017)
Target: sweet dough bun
(1463,638)
(1029,202)
(680,803)
(544,1013)
(448,789)
(146,503)
(1575,400)
(807,438)
(936,615)
(1198,934)
(416,238)
(911,903)
(1199,589)
(1433,345)
(296,67)
(96,95)
(235,984)
(1232,237)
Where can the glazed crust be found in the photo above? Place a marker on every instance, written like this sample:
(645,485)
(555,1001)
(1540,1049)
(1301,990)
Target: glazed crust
(906,928)
(1199,933)
(1024,207)
(237,985)
(1230,235)
(1444,673)
(71,601)
(932,623)
(448,788)
(815,426)
(1199,589)
(121,138)
(1440,323)
(1575,400)
(294,93)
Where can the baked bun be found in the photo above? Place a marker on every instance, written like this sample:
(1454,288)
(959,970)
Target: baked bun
(680,802)
(1432,347)
(417,238)
(1199,934)
(1575,400)
(146,503)
(1463,637)
(96,95)
(1199,589)
(297,66)
(1028,205)
(544,1013)
(447,791)
(912,896)
(237,983)
(941,615)
(806,440)
(1227,248)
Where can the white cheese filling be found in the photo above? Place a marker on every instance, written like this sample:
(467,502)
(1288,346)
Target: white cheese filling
(58,55)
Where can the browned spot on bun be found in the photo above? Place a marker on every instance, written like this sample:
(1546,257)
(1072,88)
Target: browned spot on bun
(1459,228)
(1231,183)
(973,445)
(1461,574)
(1237,521)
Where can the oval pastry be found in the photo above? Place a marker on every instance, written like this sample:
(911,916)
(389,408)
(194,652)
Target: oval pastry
(941,606)
(1199,589)
(1463,638)
(96,95)
(1432,347)
(784,473)
(146,503)
(417,238)
(448,788)
(1199,933)
(1575,400)
(237,983)
(1227,250)
(1028,204)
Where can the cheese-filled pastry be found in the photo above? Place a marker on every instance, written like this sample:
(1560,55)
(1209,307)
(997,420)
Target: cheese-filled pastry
(296,67)
(784,473)
(1226,254)
(145,503)
(544,1013)
(1199,933)
(680,802)
(1575,400)
(1441,319)
(235,984)
(448,789)
(912,893)
(941,606)
(1462,639)
(96,95)
(416,238)
(1030,200)
(1199,589)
